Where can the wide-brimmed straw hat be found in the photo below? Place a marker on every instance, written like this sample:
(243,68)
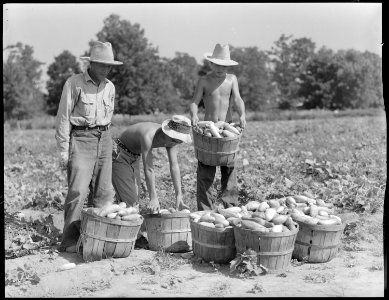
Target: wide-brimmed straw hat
(178,127)
(220,56)
(102,53)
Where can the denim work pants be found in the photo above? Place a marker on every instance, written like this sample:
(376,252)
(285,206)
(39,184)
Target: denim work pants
(89,170)
(126,177)
(205,178)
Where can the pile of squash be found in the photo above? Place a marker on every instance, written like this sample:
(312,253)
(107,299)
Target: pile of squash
(117,212)
(219,129)
(275,215)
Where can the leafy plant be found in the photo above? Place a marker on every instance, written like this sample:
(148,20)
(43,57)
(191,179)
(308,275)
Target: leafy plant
(21,276)
(246,264)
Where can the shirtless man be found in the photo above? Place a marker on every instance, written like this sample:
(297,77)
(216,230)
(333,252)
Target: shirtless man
(139,140)
(218,89)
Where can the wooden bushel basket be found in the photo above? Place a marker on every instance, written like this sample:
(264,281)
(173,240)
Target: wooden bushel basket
(215,151)
(103,237)
(213,244)
(317,243)
(170,232)
(274,249)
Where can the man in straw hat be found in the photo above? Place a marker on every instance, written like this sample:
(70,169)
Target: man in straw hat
(219,90)
(139,140)
(84,139)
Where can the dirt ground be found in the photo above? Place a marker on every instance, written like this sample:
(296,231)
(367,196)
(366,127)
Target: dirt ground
(356,272)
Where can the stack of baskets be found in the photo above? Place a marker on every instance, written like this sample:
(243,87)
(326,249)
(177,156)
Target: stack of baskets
(215,151)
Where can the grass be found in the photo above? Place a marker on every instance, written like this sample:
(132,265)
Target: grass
(353,147)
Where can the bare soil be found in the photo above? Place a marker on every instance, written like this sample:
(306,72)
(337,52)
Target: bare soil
(357,271)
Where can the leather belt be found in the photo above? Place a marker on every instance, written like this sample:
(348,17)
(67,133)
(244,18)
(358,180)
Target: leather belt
(100,127)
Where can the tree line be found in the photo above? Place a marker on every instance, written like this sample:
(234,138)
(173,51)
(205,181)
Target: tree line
(291,74)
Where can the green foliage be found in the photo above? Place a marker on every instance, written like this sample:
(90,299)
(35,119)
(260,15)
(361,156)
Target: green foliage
(253,77)
(64,66)
(143,84)
(21,79)
(289,58)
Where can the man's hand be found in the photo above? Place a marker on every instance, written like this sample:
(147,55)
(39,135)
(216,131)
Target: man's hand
(242,120)
(64,160)
(180,204)
(154,206)
(195,120)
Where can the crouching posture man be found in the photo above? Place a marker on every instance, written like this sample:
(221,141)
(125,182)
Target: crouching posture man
(139,140)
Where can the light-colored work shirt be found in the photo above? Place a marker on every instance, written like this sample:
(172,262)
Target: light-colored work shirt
(83,103)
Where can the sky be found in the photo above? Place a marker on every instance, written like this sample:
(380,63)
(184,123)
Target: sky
(194,28)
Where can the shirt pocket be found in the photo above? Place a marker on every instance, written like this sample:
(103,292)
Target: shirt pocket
(87,105)
(108,101)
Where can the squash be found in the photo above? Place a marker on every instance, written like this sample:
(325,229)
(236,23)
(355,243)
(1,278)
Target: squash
(218,217)
(285,229)
(123,204)
(313,211)
(262,222)
(231,128)
(234,209)
(330,221)
(259,214)
(270,213)
(252,205)
(227,213)
(290,224)
(207,224)
(227,133)
(274,204)
(303,199)
(290,202)
(110,208)
(276,228)
(335,217)
(219,225)
(254,226)
(263,206)
(279,219)
(207,218)
(280,209)
(111,215)
(132,217)
(185,211)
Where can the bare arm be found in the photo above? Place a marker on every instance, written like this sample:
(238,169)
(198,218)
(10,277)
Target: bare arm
(176,177)
(238,102)
(193,107)
(147,157)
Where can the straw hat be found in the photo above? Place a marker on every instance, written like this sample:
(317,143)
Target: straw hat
(178,127)
(102,53)
(220,56)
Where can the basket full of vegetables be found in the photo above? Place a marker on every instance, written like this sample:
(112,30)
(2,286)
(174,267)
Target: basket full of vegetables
(216,144)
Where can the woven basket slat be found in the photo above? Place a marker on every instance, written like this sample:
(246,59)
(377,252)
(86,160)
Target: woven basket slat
(213,244)
(317,243)
(103,237)
(274,250)
(215,151)
(170,232)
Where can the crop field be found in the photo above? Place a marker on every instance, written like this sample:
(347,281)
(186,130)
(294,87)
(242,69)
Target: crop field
(341,160)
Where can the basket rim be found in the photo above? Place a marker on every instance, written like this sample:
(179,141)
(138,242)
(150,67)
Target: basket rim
(336,227)
(113,221)
(167,216)
(231,138)
(271,234)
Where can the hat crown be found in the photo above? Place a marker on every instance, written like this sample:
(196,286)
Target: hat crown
(101,52)
(221,52)
(181,120)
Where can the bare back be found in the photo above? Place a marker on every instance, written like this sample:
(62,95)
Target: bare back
(139,134)
(216,95)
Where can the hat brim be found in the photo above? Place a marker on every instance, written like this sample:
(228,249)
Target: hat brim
(113,63)
(222,62)
(186,138)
